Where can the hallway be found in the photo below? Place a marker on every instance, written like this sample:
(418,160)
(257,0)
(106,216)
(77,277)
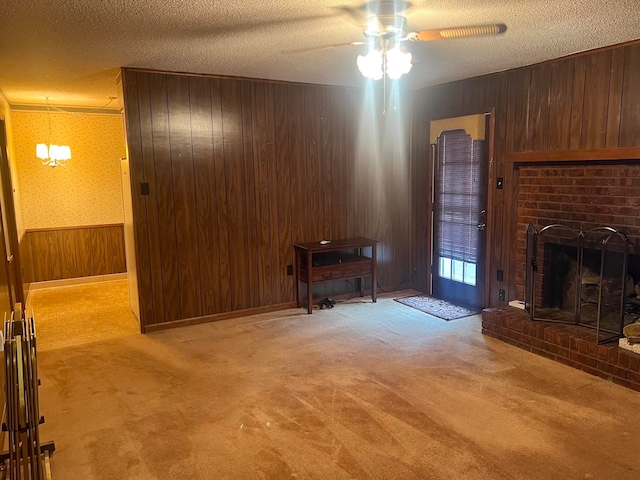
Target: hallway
(79,314)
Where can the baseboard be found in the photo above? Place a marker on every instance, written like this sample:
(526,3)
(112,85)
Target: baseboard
(67,282)
(185,322)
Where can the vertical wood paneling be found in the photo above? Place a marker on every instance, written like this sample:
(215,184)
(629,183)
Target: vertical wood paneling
(184,197)
(205,191)
(519,83)
(68,254)
(85,252)
(560,96)
(249,188)
(539,107)
(221,196)
(283,165)
(419,118)
(98,251)
(40,256)
(596,98)
(54,250)
(297,159)
(262,198)
(577,102)
(615,98)
(278,274)
(117,250)
(151,240)
(630,115)
(350,118)
(327,116)
(500,220)
(235,187)
(134,133)
(26,258)
(313,171)
(336,143)
(164,196)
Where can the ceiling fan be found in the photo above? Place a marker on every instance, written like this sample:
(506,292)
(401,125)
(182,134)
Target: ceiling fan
(387,34)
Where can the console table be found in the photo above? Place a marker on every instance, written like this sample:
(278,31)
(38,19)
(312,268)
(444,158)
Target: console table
(320,262)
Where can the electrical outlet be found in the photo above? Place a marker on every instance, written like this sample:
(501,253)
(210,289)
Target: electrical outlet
(289,269)
(500,275)
(501,295)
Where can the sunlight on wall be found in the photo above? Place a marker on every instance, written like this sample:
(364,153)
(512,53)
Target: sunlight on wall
(381,177)
(85,192)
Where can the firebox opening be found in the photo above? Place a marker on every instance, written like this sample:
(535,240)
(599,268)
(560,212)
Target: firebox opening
(593,282)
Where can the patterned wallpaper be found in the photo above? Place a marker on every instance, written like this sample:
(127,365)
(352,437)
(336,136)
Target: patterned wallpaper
(87,190)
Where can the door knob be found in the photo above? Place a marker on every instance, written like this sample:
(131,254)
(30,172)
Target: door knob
(482,226)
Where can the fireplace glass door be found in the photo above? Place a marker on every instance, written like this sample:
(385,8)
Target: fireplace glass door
(583,278)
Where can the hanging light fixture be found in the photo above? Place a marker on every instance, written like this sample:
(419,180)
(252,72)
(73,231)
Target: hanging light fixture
(52,155)
(393,62)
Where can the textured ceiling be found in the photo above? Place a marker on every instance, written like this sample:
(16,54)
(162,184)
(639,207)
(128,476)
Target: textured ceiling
(70,50)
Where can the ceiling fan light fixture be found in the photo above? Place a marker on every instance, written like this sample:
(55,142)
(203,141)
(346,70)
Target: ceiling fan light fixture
(371,65)
(398,63)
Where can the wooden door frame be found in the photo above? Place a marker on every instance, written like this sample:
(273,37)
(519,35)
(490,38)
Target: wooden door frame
(490,183)
(13,261)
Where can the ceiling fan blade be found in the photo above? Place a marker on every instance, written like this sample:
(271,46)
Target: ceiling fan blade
(457,32)
(323,47)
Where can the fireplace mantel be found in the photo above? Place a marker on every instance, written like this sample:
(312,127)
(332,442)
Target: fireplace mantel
(596,155)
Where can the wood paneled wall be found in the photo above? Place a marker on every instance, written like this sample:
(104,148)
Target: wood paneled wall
(56,254)
(585,102)
(240,170)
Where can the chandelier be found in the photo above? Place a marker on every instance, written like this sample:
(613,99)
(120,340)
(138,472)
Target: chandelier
(52,155)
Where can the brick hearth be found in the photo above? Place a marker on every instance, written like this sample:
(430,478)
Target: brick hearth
(568,344)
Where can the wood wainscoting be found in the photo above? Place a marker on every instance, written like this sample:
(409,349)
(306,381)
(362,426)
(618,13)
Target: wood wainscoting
(71,252)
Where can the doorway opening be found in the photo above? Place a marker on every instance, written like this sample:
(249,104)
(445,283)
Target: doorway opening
(72,241)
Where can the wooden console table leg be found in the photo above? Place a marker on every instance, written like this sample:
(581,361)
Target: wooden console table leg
(309,284)
(297,267)
(374,277)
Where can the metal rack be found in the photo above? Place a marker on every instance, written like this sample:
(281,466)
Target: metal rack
(26,458)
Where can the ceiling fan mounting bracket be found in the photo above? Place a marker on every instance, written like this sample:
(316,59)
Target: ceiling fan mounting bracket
(386,27)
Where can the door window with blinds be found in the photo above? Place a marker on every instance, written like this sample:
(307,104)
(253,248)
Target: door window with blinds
(459,199)
(458,192)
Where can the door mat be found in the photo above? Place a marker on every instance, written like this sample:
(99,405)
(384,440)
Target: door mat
(436,307)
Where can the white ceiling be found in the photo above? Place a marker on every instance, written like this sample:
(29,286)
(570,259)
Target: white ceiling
(70,50)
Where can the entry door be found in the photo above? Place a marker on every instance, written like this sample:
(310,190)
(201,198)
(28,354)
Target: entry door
(459,218)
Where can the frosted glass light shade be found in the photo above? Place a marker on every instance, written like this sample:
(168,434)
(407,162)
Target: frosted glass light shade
(53,155)
(398,63)
(42,151)
(371,65)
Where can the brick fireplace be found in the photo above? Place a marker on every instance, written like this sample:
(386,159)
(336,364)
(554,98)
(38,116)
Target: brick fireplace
(578,196)
(581,196)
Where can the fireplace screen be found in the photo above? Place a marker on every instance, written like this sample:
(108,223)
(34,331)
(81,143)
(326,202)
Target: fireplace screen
(582,278)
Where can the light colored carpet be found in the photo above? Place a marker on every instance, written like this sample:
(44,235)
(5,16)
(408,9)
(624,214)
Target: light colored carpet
(79,314)
(359,391)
